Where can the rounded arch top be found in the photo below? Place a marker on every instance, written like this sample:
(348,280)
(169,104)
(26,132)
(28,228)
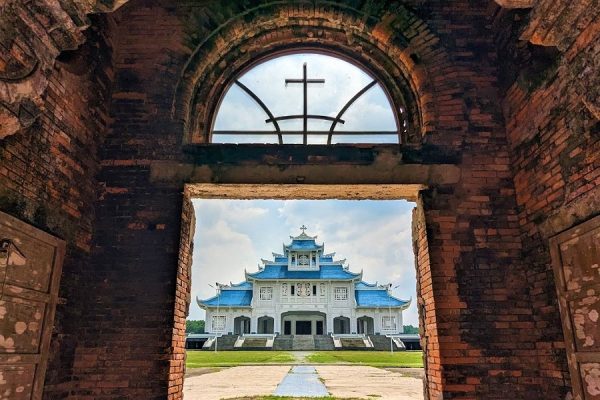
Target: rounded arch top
(381,42)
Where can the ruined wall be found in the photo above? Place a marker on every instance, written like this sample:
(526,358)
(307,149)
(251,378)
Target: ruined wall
(551,110)
(129,347)
(480,317)
(489,331)
(48,163)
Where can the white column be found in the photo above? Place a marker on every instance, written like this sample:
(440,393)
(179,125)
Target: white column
(208,322)
(277,324)
(253,324)
(329,323)
(353,326)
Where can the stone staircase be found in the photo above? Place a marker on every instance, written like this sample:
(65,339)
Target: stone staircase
(283,343)
(323,342)
(354,344)
(225,342)
(382,343)
(254,344)
(303,342)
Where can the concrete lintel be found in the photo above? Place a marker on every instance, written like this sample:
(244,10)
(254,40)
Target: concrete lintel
(302,191)
(167,172)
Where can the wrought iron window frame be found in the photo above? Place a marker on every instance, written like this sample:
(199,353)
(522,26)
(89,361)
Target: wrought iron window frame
(305,116)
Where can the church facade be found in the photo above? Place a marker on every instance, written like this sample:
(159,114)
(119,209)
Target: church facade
(304,291)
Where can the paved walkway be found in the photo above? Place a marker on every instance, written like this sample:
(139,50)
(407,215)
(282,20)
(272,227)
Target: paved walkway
(302,380)
(258,380)
(344,381)
(368,382)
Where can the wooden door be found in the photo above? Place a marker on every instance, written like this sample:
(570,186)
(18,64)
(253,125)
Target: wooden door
(576,261)
(30,268)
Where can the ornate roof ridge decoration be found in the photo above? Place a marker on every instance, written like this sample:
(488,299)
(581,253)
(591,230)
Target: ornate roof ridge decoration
(303,236)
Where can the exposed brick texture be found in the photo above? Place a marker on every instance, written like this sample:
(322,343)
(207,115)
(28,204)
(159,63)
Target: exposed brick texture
(112,132)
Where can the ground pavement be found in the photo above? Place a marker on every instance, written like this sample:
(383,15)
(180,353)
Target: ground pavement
(344,381)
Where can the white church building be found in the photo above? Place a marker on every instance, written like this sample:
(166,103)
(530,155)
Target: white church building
(304,291)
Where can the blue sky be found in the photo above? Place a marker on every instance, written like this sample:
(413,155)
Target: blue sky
(342,81)
(374,236)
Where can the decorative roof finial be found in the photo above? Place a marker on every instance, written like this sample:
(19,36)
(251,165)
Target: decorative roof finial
(303,228)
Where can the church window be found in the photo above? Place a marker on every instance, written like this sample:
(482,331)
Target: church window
(321,100)
(303,260)
(292,290)
(314,290)
(299,291)
(341,293)
(284,289)
(218,323)
(266,293)
(307,289)
(388,322)
(322,289)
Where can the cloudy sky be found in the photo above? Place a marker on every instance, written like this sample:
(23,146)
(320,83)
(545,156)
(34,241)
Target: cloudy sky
(233,235)
(342,81)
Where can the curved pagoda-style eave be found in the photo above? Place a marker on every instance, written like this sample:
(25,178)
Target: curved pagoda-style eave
(203,304)
(404,306)
(357,277)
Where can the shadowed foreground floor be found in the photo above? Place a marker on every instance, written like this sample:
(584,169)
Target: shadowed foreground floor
(341,381)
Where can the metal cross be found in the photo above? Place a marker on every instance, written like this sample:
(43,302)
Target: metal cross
(303,228)
(305,81)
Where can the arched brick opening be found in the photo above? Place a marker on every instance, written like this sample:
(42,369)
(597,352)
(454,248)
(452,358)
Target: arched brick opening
(390,46)
(398,49)
(106,174)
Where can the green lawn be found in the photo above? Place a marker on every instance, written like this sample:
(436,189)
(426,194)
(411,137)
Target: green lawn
(372,358)
(197,359)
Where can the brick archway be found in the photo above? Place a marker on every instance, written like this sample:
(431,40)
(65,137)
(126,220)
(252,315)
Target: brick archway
(105,167)
(395,48)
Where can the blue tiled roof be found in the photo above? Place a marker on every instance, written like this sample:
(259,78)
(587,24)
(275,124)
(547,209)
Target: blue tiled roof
(326,272)
(229,298)
(377,298)
(305,244)
(281,260)
(364,285)
(326,259)
(242,285)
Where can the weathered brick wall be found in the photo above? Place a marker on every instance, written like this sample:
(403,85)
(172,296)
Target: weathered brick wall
(131,343)
(555,155)
(490,331)
(47,177)
(484,320)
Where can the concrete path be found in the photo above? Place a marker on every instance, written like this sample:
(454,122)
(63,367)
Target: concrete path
(259,380)
(301,356)
(344,381)
(369,382)
(301,381)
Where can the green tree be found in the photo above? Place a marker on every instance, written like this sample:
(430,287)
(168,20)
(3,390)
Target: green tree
(192,326)
(411,329)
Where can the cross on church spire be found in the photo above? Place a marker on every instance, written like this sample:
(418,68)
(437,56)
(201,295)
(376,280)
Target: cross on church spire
(303,228)
(304,81)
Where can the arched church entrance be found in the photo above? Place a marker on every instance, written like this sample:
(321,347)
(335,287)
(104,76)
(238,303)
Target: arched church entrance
(266,325)
(241,325)
(341,325)
(365,325)
(303,323)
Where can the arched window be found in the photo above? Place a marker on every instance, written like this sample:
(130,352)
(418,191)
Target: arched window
(306,98)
